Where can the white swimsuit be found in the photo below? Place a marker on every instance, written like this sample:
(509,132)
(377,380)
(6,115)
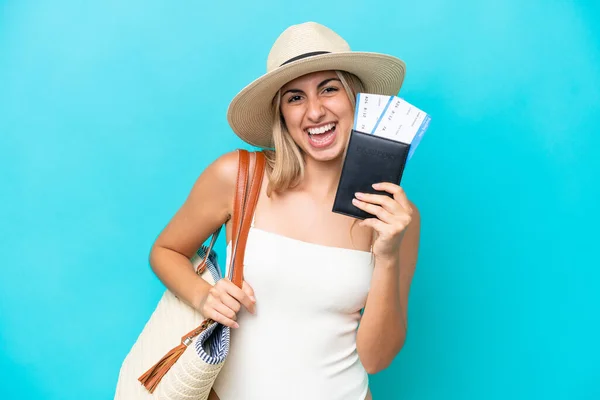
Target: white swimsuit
(301,343)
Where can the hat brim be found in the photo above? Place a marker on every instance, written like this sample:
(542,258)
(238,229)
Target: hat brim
(250,116)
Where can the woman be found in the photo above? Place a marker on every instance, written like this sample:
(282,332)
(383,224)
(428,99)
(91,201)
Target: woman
(311,275)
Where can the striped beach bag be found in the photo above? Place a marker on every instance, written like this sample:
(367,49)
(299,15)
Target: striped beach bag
(153,368)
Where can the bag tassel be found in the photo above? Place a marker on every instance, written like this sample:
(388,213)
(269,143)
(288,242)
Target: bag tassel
(153,376)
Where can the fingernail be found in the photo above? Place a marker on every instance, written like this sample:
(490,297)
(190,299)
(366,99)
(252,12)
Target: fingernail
(253,298)
(358,194)
(235,325)
(354,201)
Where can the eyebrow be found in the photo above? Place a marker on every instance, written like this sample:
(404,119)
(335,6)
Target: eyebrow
(320,85)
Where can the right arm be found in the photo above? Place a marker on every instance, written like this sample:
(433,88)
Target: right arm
(208,206)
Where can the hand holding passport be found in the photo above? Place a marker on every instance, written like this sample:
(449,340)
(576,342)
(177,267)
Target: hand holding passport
(386,133)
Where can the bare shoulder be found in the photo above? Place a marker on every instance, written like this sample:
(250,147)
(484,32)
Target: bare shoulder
(207,207)
(222,171)
(215,186)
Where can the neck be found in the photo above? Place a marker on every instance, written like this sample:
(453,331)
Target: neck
(321,177)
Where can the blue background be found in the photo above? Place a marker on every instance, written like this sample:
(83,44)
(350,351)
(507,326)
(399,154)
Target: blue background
(110,110)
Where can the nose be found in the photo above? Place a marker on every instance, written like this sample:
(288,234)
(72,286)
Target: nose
(316,110)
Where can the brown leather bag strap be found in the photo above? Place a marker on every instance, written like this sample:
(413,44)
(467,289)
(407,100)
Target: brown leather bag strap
(244,204)
(239,198)
(237,273)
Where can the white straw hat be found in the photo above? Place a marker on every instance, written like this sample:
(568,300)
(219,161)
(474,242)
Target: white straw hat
(299,50)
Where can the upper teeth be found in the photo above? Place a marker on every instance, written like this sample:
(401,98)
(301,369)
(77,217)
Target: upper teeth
(321,129)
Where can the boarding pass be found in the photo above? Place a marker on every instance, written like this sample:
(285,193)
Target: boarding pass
(391,117)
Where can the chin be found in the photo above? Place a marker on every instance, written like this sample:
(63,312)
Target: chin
(324,155)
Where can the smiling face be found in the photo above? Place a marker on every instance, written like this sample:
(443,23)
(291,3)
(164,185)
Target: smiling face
(318,114)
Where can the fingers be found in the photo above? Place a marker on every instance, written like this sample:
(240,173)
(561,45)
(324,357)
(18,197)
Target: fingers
(225,300)
(245,297)
(397,192)
(392,215)
(383,206)
(232,304)
(223,315)
(374,209)
(386,202)
(249,291)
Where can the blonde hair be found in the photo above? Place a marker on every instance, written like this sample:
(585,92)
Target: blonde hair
(285,164)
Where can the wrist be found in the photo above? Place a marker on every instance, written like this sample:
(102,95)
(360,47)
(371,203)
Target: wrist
(200,293)
(388,261)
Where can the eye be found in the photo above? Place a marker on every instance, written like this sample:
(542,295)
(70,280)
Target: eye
(293,98)
(330,89)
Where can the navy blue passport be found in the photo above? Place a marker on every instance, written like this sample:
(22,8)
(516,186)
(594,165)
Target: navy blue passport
(369,159)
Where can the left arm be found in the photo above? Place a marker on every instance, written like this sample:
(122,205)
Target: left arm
(382,331)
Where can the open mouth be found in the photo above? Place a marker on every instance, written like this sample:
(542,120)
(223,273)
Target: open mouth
(321,136)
